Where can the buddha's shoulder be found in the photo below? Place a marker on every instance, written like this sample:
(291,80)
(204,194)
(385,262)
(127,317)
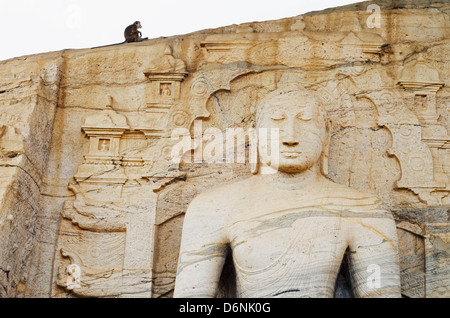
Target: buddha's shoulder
(230,195)
(224,194)
(353,199)
(336,189)
(241,188)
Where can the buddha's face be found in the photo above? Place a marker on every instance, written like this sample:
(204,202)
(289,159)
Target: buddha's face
(301,131)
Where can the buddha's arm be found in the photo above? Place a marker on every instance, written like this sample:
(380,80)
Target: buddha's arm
(374,264)
(202,253)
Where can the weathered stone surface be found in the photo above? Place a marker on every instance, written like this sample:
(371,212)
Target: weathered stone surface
(91,203)
(288,228)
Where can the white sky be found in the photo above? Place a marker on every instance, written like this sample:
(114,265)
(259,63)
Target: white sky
(38,26)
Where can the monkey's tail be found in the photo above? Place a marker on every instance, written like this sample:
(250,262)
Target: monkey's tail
(96,47)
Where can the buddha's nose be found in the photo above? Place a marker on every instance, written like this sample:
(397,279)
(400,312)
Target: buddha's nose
(289,138)
(290,142)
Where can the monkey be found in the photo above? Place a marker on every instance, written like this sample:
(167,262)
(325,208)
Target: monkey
(131,33)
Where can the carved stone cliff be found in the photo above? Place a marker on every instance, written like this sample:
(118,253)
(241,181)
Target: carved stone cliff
(91,203)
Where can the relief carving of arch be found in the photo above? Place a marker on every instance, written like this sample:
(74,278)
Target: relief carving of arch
(415,157)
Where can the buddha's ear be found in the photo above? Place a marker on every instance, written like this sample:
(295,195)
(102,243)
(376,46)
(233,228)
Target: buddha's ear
(326,148)
(253,150)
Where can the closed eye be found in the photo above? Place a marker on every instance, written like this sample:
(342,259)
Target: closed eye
(305,116)
(277,115)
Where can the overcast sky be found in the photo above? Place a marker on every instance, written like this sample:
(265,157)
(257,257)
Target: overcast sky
(38,26)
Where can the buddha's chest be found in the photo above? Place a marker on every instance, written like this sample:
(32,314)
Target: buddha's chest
(302,239)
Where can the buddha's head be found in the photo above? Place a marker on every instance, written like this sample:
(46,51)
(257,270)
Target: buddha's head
(303,130)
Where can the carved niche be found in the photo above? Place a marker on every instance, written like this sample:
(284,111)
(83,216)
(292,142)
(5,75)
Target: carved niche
(105,244)
(421,83)
(163,92)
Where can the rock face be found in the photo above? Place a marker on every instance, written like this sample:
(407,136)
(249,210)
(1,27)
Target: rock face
(102,150)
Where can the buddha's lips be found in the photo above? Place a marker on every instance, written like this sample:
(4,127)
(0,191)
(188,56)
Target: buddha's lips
(291,154)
